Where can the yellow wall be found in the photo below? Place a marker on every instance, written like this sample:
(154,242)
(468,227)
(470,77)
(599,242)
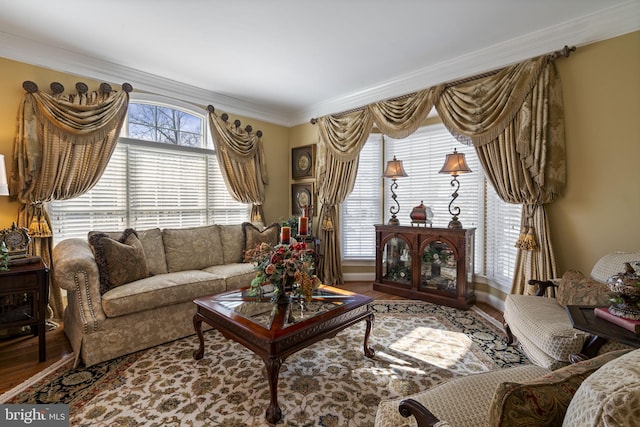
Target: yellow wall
(13,73)
(600,209)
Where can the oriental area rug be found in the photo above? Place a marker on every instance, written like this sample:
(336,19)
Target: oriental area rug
(330,383)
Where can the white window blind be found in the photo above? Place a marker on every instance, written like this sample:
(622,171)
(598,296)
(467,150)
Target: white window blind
(150,184)
(361,210)
(423,153)
(502,231)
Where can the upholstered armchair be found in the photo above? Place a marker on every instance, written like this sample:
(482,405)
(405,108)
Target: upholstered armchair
(604,390)
(542,325)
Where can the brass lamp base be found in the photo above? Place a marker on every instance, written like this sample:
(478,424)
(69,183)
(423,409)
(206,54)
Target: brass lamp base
(394,221)
(454,223)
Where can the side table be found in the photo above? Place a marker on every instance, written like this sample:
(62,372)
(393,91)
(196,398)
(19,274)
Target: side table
(583,318)
(24,294)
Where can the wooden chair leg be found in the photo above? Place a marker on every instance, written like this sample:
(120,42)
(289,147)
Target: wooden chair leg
(509,339)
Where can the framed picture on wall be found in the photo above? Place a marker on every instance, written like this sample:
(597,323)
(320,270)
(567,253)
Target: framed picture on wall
(301,195)
(303,161)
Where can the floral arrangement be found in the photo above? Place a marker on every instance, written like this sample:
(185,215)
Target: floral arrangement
(283,265)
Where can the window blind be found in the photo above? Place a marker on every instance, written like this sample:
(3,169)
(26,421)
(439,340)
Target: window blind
(423,153)
(361,210)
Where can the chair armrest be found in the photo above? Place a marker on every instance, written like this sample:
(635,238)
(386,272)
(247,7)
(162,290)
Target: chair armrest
(423,416)
(542,285)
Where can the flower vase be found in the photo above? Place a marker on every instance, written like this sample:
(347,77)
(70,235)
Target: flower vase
(280,289)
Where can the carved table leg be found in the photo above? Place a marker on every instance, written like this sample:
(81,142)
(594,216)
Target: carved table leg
(197,325)
(274,413)
(368,351)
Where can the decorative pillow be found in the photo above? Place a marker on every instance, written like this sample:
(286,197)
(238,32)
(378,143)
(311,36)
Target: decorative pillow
(153,250)
(232,237)
(192,248)
(119,261)
(575,289)
(253,235)
(609,397)
(544,401)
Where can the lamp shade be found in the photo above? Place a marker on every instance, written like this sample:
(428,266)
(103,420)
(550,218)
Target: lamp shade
(4,185)
(455,164)
(394,169)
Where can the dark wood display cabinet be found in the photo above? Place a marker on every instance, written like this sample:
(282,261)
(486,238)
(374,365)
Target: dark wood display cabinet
(430,264)
(23,299)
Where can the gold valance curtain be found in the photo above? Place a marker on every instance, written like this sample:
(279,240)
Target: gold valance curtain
(63,144)
(241,158)
(515,114)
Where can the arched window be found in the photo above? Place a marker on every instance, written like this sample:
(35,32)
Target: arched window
(163,173)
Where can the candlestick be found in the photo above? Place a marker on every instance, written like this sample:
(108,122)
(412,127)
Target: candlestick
(285,235)
(303,226)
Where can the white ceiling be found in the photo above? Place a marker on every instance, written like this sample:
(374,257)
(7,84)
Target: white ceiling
(285,61)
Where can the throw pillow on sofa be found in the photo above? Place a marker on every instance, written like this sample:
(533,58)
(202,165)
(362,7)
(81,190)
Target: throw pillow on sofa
(575,289)
(119,261)
(253,235)
(543,401)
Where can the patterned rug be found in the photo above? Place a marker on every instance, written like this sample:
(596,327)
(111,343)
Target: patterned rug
(328,384)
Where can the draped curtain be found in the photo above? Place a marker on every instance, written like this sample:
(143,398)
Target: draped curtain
(514,119)
(341,140)
(240,155)
(62,146)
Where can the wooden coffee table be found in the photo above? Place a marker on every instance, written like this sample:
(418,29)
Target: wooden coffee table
(274,332)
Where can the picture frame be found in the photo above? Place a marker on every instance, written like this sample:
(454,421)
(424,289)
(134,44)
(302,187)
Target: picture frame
(303,161)
(301,194)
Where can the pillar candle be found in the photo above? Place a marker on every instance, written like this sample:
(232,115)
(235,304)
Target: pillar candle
(303,226)
(285,235)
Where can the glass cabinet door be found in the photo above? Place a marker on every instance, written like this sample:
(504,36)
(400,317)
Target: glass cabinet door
(396,261)
(438,267)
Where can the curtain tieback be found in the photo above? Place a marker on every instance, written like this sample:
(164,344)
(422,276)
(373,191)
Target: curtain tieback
(38,228)
(527,239)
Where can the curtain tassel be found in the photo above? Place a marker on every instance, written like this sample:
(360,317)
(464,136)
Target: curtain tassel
(521,238)
(327,223)
(39,227)
(527,240)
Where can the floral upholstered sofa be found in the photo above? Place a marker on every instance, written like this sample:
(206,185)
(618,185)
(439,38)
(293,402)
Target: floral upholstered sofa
(603,391)
(133,290)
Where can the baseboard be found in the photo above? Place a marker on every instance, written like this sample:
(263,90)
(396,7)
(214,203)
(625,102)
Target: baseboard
(492,300)
(359,277)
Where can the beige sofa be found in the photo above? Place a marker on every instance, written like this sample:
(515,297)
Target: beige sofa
(134,290)
(603,391)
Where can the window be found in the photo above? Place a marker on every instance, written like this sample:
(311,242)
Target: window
(361,210)
(423,154)
(163,173)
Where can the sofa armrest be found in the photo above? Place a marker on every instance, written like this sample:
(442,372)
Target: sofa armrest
(423,416)
(75,270)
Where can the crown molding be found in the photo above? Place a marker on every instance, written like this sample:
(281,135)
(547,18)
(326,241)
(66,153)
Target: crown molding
(46,56)
(605,24)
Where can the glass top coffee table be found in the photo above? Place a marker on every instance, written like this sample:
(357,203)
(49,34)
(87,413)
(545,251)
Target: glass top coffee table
(275,331)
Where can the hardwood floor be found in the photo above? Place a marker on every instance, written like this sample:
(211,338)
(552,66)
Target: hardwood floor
(19,355)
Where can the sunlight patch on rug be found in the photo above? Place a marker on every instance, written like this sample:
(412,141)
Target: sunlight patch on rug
(444,349)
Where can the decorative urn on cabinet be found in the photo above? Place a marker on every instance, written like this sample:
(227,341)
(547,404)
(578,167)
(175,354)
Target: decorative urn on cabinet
(421,214)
